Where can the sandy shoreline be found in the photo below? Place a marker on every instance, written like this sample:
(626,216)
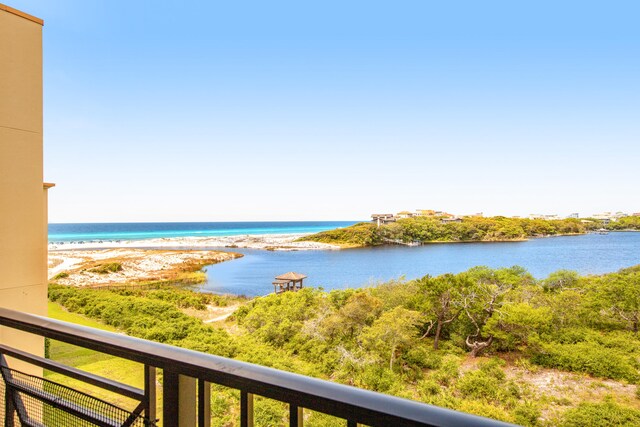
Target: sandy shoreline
(278,242)
(84,267)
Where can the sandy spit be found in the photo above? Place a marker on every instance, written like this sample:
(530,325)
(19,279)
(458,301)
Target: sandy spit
(277,242)
(78,267)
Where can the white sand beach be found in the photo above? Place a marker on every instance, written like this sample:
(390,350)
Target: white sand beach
(82,267)
(277,242)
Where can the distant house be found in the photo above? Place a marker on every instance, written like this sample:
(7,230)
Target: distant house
(405,214)
(546,217)
(551,217)
(573,215)
(425,212)
(380,219)
(450,219)
(607,217)
(635,214)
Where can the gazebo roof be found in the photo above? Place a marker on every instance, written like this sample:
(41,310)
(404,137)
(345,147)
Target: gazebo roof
(291,276)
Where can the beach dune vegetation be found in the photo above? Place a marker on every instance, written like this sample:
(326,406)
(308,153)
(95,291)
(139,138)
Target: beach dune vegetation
(106,268)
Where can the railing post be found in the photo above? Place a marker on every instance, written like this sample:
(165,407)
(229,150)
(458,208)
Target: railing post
(170,415)
(179,400)
(204,403)
(296,416)
(150,392)
(246,409)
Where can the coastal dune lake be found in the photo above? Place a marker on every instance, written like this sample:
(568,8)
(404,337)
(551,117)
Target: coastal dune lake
(588,254)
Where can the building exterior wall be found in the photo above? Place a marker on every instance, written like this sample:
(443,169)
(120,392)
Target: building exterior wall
(23,207)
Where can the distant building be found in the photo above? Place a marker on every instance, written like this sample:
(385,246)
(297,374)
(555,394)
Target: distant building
(405,214)
(552,217)
(635,214)
(546,217)
(447,220)
(380,219)
(573,215)
(609,216)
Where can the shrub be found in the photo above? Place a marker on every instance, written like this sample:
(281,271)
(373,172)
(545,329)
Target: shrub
(590,358)
(112,267)
(527,414)
(423,357)
(377,378)
(429,387)
(479,385)
(448,371)
(601,415)
(61,275)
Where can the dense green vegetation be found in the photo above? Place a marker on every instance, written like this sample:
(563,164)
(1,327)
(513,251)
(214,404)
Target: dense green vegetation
(469,229)
(471,341)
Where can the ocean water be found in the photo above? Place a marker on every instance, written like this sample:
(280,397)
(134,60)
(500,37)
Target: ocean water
(588,254)
(151,230)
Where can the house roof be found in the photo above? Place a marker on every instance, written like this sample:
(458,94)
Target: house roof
(291,276)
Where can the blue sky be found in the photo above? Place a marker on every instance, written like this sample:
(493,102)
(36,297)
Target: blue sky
(213,111)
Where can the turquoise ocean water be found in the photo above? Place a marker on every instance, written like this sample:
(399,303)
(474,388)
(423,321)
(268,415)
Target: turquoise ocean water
(150,230)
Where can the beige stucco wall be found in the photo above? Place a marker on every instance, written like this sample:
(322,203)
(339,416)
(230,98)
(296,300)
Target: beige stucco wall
(23,209)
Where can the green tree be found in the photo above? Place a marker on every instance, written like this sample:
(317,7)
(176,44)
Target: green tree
(514,325)
(621,295)
(487,295)
(360,310)
(392,333)
(561,280)
(440,300)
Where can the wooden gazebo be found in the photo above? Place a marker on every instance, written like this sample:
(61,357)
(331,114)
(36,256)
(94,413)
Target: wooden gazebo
(288,282)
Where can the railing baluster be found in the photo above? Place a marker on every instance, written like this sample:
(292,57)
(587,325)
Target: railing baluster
(246,409)
(170,393)
(204,403)
(150,392)
(9,409)
(187,401)
(295,416)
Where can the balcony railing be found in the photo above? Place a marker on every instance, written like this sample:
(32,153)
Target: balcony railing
(187,378)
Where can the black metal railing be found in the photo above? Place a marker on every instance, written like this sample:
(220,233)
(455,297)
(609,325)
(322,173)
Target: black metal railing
(188,375)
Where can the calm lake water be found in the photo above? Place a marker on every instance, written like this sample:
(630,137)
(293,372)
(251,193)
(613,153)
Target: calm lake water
(588,254)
